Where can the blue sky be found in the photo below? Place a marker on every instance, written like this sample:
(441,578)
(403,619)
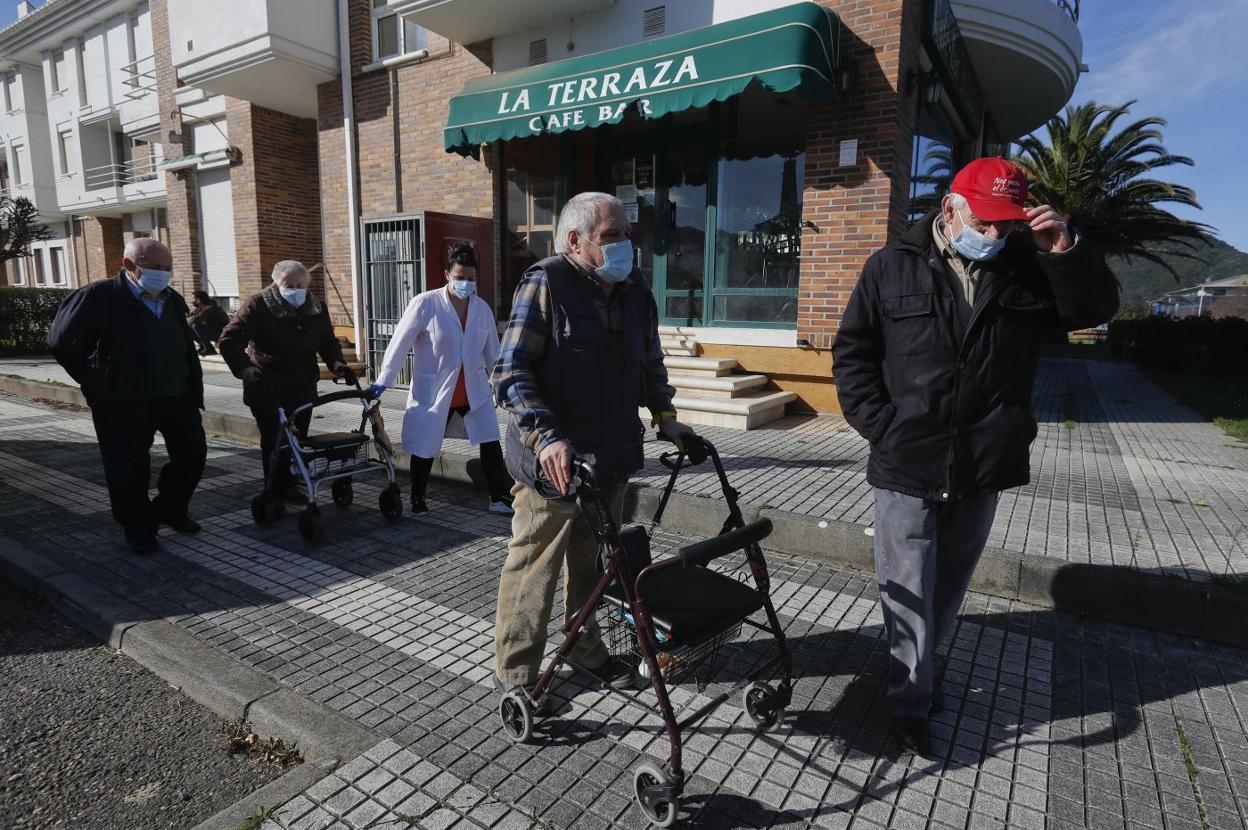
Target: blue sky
(1186,62)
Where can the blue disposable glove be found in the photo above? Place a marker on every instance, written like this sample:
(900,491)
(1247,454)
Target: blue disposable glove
(375,390)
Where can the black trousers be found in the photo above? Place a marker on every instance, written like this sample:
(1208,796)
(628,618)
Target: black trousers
(491,462)
(206,335)
(277,477)
(125,435)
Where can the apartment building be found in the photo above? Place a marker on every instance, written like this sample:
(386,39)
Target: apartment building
(108,132)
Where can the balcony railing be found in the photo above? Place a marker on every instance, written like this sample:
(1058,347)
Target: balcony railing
(140,77)
(136,170)
(1071,7)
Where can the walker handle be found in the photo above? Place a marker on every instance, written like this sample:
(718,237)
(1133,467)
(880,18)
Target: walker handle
(700,553)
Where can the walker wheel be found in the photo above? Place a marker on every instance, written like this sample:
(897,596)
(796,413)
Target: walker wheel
(391,502)
(758,701)
(310,525)
(655,795)
(266,510)
(515,710)
(343,495)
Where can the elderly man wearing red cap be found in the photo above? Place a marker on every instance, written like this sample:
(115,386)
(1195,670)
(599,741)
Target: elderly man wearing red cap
(934,364)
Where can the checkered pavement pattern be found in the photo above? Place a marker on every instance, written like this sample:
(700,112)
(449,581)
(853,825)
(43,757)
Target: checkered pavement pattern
(1050,721)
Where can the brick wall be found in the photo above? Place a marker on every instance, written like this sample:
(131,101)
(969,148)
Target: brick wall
(101,244)
(181,205)
(857,209)
(399,114)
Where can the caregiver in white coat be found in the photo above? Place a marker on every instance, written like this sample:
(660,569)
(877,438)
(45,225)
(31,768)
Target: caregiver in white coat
(452,333)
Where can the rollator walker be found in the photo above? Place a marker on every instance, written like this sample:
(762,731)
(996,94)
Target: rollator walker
(668,618)
(335,458)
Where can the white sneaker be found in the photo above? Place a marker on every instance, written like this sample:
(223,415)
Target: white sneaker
(502,508)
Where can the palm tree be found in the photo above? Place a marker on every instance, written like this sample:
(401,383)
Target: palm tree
(1099,179)
(937,175)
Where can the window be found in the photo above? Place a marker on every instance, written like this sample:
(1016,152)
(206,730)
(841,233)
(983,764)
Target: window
(934,162)
(4,172)
(394,34)
(19,271)
(532,180)
(60,78)
(36,260)
(12,92)
(21,165)
(56,258)
(68,150)
(762,170)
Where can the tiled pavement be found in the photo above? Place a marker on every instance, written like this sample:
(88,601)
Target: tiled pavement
(1121,474)
(1052,722)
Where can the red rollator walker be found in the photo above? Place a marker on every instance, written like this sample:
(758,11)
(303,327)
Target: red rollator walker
(669,617)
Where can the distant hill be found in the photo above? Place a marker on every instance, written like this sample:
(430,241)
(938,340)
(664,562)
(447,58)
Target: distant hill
(1143,280)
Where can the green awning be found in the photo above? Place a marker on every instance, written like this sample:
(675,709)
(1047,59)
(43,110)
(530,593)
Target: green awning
(791,48)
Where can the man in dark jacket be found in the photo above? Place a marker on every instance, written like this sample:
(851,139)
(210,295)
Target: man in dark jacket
(207,321)
(934,364)
(126,342)
(272,344)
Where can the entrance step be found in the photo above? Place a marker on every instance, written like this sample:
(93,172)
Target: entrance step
(727,386)
(216,363)
(701,366)
(677,346)
(678,331)
(746,412)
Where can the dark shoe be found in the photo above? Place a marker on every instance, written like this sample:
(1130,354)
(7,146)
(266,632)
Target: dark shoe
(419,506)
(617,674)
(914,735)
(938,701)
(295,493)
(143,545)
(184,524)
(541,709)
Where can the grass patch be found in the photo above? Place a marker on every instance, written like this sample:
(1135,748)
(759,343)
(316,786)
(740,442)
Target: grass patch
(1223,399)
(1186,749)
(259,817)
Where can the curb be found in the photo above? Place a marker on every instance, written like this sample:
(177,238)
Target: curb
(212,678)
(1109,592)
(272,794)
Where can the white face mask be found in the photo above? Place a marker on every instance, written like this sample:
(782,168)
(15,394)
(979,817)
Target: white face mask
(617,260)
(974,245)
(294,296)
(463,288)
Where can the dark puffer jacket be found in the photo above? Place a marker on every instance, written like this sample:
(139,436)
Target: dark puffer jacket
(283,341)
(947,408)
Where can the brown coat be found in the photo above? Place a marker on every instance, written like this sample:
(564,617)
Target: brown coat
(283,341)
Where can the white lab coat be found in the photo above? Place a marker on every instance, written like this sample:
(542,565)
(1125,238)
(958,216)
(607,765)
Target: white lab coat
(430,328)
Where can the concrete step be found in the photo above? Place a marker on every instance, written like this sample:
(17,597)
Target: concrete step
(678,331)
(728,386)
(747,412)
(216,363)
(704,366)
(677,346)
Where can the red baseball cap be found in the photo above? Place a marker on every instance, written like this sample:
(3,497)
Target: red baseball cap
(994,188)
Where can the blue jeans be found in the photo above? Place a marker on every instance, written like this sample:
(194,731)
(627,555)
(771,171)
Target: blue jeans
(925,553)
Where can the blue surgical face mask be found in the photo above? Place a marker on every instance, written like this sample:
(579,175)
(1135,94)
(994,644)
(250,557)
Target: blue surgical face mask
(463,288)
(617,261)
(974,245)
(294,296)
(153,280)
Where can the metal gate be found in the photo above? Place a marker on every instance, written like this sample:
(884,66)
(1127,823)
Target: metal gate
(392,268)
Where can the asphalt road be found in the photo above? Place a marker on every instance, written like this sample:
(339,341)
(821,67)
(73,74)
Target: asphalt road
(90,740)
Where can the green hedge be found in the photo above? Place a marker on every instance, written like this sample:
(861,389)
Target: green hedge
(1192,344)
(25,316)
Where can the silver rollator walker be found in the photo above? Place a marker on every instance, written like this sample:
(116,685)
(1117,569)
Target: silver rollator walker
(334,457)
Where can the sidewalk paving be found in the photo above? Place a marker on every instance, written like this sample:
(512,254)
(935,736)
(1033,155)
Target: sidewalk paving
(1052,721)
(1122,474)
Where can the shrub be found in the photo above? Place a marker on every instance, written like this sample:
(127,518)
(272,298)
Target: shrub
(1191,344)
(25,316)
